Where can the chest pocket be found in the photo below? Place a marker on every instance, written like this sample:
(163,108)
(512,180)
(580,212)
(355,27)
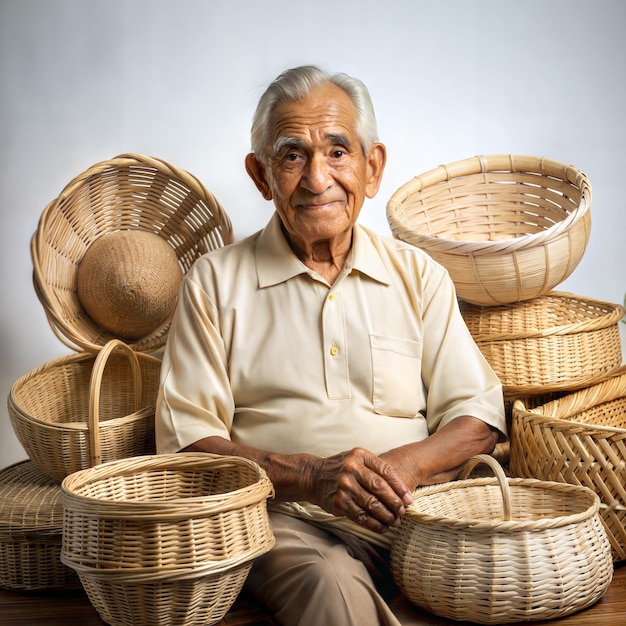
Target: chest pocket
(397,376)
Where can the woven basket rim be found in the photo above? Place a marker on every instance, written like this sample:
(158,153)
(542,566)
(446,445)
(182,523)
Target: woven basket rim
(492,163)
(614,312)
(172,508)
(502,526)
(62,361)
(147,574)
(561,410)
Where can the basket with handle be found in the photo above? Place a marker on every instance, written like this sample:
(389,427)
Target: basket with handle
(558,341)
(507,227)
(158,537)
(579,439)
(82,409)
(31,525)
(502,550)
(130,193)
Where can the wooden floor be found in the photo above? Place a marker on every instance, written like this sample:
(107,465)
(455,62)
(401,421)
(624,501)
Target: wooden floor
(73,608)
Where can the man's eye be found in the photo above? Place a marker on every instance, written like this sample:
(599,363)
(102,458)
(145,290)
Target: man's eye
(292,156)
(337,154)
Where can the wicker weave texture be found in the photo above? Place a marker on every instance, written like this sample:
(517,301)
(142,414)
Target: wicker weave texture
(457,555)
(79,410)
(579,439)
(155,538)
(129,192)
(558,341)
(199,601)
(31,524)
(507,227)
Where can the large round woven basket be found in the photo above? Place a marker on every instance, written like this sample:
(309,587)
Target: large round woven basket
(579,439)
(79,410)
(31,526)
(166,539)
(502,550)
(131,193)
(507,227)
(558,341)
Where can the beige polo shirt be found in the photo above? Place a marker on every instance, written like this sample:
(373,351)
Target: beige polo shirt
(263,351)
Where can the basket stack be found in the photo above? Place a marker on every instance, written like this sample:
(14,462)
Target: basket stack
(510,229)
(108,256)
(502,550)
(166,539)
(579,438)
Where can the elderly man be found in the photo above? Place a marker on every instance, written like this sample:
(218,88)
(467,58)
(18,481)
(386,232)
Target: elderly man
(335,358)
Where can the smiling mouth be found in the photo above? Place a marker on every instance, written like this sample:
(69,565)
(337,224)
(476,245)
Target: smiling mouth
(316,206)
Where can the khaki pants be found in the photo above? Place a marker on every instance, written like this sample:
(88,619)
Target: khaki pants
(316,577)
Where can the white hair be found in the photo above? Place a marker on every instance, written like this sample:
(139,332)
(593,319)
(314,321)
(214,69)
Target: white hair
(296,84)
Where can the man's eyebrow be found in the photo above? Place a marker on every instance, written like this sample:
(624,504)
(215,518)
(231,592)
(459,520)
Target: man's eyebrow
(339,140)
(287,143)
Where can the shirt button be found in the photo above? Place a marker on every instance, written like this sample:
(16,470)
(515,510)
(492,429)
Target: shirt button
(334,351)
(331,297)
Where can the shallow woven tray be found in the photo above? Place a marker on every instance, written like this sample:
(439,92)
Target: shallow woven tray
(558,341)
(157,537)
(31,525)
(502,550)
(579,439)
(507,227)
(130,191)
(79,410)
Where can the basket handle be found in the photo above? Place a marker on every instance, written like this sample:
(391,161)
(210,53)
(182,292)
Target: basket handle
(95,383)
(500,475)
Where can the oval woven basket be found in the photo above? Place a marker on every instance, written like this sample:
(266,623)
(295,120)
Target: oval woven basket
(157,537)
(558,341)
(502,550)
(129,192)
(79,410)
(31,526)
(507,227)
(579,439)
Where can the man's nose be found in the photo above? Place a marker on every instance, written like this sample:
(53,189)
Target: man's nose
(316,176)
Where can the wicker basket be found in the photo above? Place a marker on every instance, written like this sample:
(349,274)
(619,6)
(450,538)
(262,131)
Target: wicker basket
(129,192)
(498,551)
(507,227)
(79,410)
(31,525)
(166,539)
(558,341)
(579,439)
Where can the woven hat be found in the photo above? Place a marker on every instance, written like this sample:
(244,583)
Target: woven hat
(128,282)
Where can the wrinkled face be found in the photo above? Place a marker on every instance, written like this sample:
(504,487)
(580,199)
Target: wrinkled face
(316,173)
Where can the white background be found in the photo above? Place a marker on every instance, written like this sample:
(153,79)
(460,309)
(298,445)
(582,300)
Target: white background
(83,81)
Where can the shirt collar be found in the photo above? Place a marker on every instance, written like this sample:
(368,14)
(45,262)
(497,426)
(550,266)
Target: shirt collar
(276,262)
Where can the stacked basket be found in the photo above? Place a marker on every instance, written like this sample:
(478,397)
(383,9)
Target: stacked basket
(165,539)
(108,256)
(510,229)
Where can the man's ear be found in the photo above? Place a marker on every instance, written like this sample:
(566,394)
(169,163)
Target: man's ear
(376,160)
(256,171)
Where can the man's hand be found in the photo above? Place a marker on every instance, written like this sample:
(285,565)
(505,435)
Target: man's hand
(362,487)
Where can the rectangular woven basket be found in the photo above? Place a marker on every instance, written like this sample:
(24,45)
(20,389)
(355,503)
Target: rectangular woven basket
(579,439)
